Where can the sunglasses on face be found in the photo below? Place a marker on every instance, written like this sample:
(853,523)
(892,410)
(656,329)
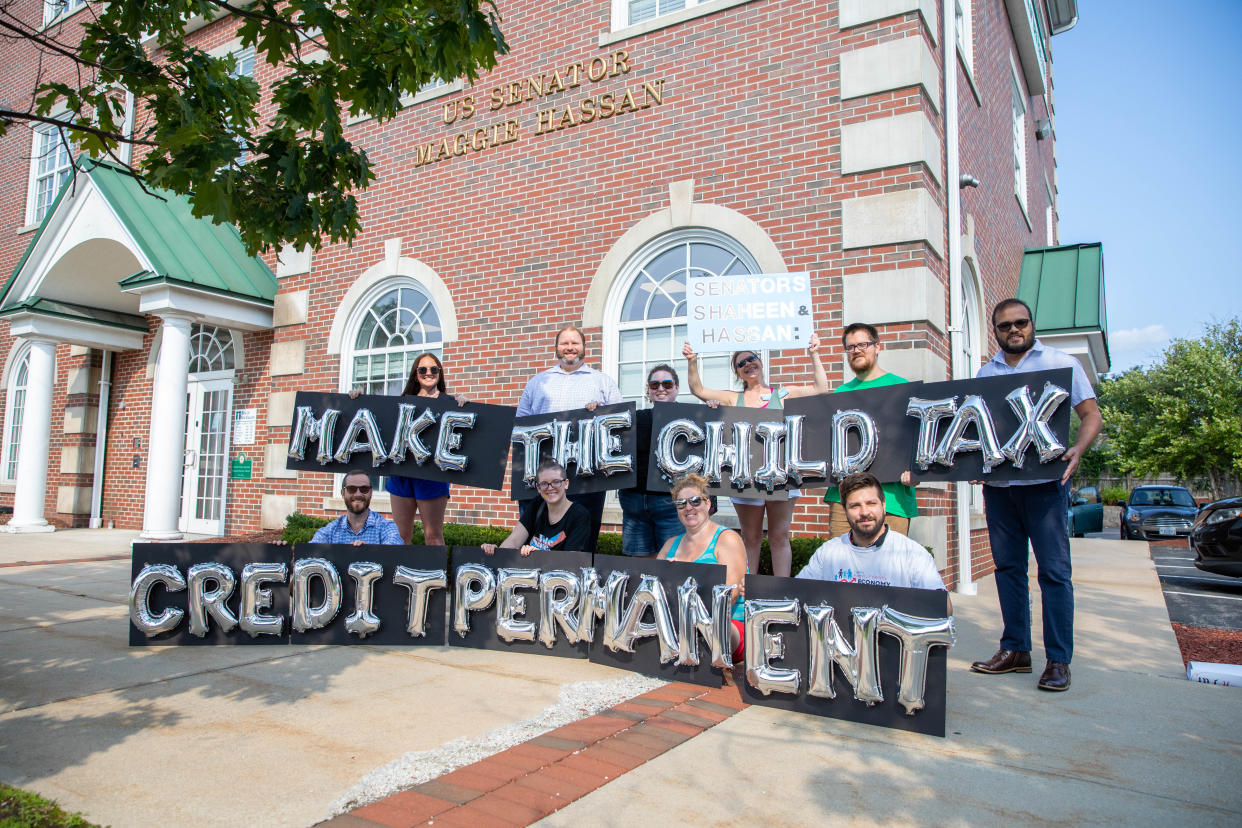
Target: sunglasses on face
(1020,324)
(549,485)
(656,385)
(744,361)
(859,346)
(683,503)
(429,370)
(357,490)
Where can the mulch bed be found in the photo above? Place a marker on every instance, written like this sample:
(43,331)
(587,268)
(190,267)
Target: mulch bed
(1207,644)
(268,536)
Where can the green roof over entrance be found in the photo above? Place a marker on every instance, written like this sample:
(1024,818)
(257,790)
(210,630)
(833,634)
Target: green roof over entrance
(1064,287)
(80,313)
(182,249)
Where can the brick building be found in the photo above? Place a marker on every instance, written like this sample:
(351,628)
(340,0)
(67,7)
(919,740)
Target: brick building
(619,143)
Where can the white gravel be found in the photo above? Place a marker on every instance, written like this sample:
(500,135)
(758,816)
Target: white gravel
(576,701)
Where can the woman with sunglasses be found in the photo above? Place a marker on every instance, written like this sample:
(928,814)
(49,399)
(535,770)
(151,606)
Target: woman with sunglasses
(755,393)
(705,541)
(556,523)
(411,496)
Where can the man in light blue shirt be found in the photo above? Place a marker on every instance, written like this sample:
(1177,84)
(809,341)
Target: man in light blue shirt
(571,384)
(1033,511)
(359,525)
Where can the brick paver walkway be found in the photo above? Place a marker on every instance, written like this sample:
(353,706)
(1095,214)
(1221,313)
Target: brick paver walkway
(527,782)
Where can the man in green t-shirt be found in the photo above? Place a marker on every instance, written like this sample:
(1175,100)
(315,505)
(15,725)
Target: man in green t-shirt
(862,349)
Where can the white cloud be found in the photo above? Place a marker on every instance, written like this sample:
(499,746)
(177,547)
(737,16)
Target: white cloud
(1134,339)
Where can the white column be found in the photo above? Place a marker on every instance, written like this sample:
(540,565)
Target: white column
(166,445)
(32,452)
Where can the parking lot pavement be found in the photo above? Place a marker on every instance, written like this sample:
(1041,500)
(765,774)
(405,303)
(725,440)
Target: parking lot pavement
(1196,598)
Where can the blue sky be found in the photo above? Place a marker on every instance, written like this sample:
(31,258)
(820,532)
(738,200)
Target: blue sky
(1148,129)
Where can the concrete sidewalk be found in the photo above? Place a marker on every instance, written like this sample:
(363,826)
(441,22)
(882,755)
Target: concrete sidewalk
(273,736)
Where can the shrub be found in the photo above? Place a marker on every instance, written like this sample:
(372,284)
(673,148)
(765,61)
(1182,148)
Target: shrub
(299,528)
(22,808)
(1115,495)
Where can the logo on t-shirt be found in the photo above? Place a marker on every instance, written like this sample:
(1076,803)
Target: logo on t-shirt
(847,576)
(545,543)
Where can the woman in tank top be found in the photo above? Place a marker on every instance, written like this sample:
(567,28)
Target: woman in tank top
(756,393)
(706,541)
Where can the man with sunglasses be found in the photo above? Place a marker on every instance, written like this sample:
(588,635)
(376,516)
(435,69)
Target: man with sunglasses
(1033,511)
(359,525)
(862,350)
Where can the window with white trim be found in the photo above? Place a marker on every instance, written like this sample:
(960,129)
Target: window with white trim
(1019,140)
(15,404)
(243,69)
(393,324)
(637,11)
(211,349)
(51,165)
(53,9)
(964,12)
(650,322)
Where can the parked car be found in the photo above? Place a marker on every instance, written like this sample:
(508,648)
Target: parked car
(1216,537)
(1085,513)
(1158,512)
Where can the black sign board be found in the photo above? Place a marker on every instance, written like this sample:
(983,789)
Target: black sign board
(182,557)
(390,601)
(646,656)
(484,443)
(843,597)
(682,449)
(894,431)
(483,634)
(567,427)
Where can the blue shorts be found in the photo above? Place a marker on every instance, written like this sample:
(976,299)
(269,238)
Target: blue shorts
(417,489)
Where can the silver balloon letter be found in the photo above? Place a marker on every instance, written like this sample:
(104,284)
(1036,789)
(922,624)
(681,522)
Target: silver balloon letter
(531,436)
(420,582)
(828,647)
(649,594)
(930,413)
(306,427)
(255,598)
(694,621)
(666,444)
(449,439)
(509,605)
(735,455)
(972,411)
(362,621)
(843,462)
(203,602)
(795,467)
(772,473)
(1033,425)
(608,444)
(474,588)
(140,596)
(558,612)
(580,452)
(306,617)
(362,423)
(763,646)
(917,637)
(407,435)
(592,603)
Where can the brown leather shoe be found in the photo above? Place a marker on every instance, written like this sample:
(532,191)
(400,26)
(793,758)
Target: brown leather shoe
(1056,676)
(1005,661)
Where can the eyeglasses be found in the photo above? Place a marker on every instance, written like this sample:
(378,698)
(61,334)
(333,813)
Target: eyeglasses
(683,502)
(859,346)
(357,490)
(744,361)
(1020,324)
(429,370)
(656,385)
(549,485)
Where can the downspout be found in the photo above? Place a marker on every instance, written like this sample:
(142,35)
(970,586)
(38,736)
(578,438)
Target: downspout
(101,440)
(953,199)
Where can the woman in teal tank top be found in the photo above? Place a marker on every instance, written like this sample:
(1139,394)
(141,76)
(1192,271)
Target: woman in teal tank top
(748,368)
(706,541)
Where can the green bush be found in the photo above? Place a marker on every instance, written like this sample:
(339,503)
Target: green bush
(299,528)
(22,809)
(1115,495)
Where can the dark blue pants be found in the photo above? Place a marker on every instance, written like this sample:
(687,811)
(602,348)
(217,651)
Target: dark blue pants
(1017,515)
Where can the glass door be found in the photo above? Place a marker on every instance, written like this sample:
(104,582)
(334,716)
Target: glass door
(210,414)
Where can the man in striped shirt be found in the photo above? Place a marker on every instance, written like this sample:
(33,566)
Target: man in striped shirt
(359,525)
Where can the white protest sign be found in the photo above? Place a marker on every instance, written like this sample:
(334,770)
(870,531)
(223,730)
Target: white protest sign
(757,312)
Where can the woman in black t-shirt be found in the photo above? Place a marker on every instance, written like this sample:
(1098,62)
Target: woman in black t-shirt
(556,523)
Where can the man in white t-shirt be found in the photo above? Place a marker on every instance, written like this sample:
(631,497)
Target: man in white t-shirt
(871,553)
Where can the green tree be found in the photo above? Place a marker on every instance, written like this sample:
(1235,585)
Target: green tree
(1182,415)
(275,162)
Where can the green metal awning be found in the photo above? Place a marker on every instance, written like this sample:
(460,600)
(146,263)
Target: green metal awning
(78,313)
(1064,287)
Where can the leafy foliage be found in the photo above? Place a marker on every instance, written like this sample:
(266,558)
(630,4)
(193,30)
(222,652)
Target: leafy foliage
(1183,415)
(277,164)
(1114,495)
(23,809)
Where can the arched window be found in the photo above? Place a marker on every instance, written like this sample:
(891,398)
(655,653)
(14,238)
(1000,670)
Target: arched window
(650,307)
(970,319)
(394,323)
(211,349)
(15,404)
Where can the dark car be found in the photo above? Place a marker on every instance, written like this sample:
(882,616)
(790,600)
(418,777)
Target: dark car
(1085,513)
(1217,537)
(1158,513)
